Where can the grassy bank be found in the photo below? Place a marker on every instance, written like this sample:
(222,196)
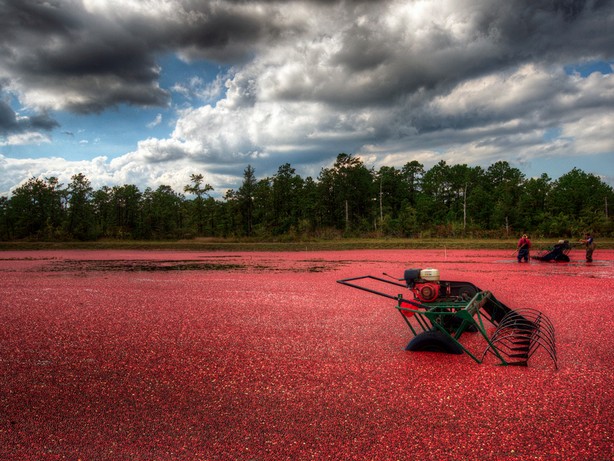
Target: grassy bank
(253,245)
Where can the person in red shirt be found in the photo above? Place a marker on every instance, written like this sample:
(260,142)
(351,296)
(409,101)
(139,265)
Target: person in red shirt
(524,245)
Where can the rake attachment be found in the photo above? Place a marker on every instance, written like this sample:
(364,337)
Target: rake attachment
(520,334)
(440,312)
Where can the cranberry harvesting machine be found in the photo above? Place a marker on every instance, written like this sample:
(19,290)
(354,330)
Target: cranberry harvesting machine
(439,313)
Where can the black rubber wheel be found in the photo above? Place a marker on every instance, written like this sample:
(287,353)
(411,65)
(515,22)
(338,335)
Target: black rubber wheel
(433,341)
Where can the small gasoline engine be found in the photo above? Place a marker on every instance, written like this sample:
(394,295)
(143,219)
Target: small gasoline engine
(423,283)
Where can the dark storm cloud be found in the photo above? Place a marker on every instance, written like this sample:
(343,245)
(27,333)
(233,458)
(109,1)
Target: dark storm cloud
(59,49)
(8,120)
(109,60)
(378,65)
(223,35)
(10,123)
(43,122)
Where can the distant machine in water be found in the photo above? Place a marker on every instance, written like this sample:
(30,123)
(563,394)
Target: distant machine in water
(558,253)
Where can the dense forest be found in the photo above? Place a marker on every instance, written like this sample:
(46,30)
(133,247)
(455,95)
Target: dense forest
(347,199)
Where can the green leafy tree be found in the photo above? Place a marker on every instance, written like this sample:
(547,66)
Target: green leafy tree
(480,205)
(583,198)
(231,226)
(263,211)
(38,208)
(460,184)
(287,188)
(532,202)
(245,199)
(506,185)
(81,223)
(198,210)
(412,175)
(435,203)
(104,215)
(472,197)
(126,205)
(390,190)
(6,231)
(328,213)
(446,200)
(577,191)
(349,193)
(311,211)
(163,214)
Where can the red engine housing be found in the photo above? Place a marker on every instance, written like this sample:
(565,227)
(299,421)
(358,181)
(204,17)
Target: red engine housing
(426,291)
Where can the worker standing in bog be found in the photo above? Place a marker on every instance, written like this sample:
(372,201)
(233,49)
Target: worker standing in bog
(590,246)
(524,245)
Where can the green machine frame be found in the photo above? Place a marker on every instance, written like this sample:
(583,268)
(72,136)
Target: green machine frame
(439,325)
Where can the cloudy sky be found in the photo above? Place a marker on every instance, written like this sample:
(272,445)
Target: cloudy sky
(147,92)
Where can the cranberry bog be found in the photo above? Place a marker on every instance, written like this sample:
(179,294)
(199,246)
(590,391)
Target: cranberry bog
(166,355)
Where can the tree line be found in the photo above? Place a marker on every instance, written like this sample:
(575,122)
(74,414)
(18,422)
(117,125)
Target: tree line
(347,199)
